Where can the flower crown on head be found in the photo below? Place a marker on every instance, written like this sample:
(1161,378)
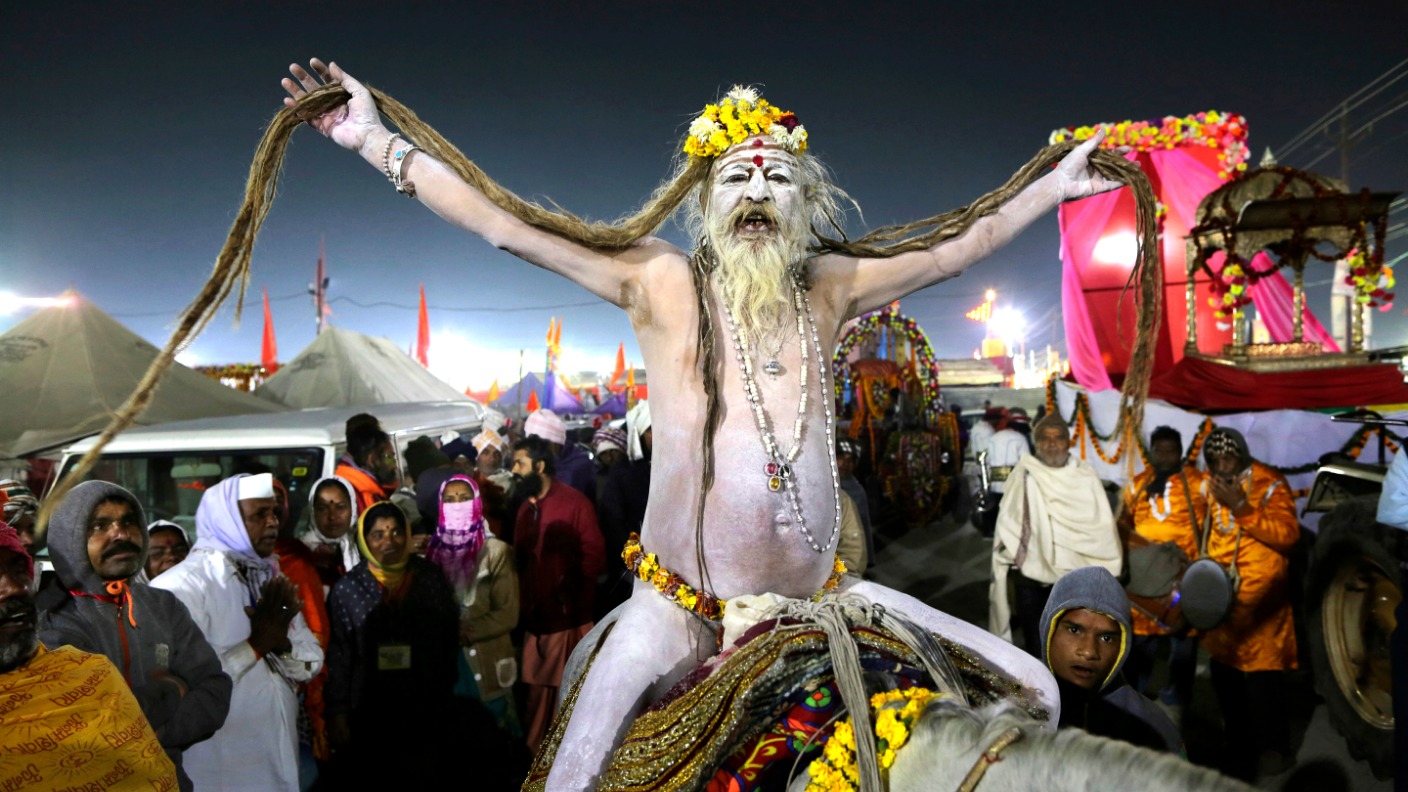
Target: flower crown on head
(740,115)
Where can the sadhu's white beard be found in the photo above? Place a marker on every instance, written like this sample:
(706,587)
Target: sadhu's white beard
(755,273)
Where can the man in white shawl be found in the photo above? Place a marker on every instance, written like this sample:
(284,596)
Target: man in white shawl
(1054,518)
(250,615)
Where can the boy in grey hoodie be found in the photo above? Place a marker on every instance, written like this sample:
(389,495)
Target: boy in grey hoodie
(1086,638)
(98,542)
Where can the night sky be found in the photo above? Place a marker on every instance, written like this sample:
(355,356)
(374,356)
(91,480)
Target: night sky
(128,130)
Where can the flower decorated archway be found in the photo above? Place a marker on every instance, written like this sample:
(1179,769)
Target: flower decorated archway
(888,329)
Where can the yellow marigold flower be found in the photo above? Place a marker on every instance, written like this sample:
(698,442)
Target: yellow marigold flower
(1213,117)
(836,753)
(660,579)
(844,734)
(718,142)
(887,759)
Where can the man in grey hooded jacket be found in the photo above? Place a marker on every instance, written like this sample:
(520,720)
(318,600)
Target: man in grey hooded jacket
(98,542)
(1086,637)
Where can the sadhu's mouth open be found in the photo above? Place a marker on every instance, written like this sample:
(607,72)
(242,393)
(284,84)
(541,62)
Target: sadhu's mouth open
(756,221)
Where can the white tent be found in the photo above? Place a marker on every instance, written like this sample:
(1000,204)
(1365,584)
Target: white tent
(342,368)
(66,369)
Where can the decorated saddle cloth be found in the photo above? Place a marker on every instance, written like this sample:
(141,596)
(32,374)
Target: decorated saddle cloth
(762,709)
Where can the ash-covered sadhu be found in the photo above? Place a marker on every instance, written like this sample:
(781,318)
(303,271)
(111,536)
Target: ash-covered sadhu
(736,334)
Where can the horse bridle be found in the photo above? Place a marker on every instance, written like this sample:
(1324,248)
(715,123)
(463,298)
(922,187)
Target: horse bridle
(988,758)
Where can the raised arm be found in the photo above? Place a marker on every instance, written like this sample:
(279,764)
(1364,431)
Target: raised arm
(357,126)
(860,285)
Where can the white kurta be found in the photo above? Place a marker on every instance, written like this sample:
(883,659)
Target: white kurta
(1004,450)
(1071,526)
(257,748)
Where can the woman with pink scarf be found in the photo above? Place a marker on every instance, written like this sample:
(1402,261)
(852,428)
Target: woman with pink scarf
(481,571)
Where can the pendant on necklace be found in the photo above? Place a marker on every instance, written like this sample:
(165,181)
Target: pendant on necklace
(778,474)
(772,368)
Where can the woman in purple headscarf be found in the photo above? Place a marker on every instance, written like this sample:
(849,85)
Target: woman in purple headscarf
(481,570)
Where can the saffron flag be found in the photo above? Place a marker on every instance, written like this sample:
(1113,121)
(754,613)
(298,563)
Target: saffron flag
(493,392)
(269,353)
(533,402)
(620,369)
(423,333)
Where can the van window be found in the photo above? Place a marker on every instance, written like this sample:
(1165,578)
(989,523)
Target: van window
(170,484)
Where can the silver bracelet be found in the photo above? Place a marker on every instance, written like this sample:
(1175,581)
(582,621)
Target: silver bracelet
(386,155)
(406,188)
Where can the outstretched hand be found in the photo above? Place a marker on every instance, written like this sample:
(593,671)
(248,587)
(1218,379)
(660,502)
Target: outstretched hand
(349,125)
(1075,175)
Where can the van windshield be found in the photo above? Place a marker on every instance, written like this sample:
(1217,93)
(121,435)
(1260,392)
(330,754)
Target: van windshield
(170,484)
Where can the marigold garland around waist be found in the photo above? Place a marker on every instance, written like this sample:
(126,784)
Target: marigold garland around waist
(645,566)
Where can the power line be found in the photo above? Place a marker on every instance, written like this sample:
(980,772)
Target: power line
(147,314)
(1364,126)
(402,306)
(470,309)
(1307,134)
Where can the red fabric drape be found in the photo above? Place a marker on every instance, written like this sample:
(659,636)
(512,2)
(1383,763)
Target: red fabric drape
(1198,384)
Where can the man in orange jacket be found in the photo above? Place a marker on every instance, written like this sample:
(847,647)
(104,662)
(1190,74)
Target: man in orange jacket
(370,465)
(1159,506)
(1253,528)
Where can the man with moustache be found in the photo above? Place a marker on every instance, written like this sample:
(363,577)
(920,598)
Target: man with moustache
(97,543)
(735,336)
(250,614)
(369,465)
(559,559)
(67,721)
(1054,518)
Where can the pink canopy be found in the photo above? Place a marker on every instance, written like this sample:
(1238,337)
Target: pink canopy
(1098,251)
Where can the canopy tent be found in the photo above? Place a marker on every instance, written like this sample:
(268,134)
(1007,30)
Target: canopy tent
(342,368)
(614,406)
(66,369)
(515,396)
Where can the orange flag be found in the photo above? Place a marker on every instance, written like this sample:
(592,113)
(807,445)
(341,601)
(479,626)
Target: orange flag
(557,338)
(269,354)
(630,385)
(423,333)
(532,402)
(493,392)
(620,364)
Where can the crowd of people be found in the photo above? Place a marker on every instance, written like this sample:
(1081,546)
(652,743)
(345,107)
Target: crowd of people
(420,609)
(1093,587)
(264,655)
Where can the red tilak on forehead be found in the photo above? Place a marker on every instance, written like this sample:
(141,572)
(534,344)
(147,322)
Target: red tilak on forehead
(758,160)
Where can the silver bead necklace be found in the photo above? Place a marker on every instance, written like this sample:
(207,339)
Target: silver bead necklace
(779,466)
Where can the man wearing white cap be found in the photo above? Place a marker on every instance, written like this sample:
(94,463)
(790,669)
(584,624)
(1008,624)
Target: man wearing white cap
(574,466)
(250,615)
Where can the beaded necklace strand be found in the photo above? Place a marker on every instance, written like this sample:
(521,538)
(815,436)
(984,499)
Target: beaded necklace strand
(779,466)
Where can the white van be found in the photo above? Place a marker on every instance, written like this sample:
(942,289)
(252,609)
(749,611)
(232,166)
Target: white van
(169,466)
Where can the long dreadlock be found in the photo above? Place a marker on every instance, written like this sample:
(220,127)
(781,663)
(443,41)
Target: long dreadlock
(233,264)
